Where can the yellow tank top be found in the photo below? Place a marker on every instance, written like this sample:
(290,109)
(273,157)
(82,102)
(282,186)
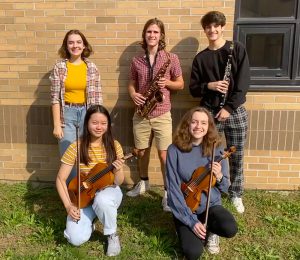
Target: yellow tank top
(75,84)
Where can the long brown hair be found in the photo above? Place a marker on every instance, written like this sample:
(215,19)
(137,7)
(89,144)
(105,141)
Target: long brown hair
(107,138)
(182,137)
(63,50)
(160,24)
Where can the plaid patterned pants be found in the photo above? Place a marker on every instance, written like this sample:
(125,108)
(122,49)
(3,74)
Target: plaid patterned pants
(235,130)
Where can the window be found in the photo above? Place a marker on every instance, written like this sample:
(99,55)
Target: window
(270,30)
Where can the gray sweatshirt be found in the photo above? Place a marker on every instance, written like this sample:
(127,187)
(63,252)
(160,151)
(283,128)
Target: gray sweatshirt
(179,168)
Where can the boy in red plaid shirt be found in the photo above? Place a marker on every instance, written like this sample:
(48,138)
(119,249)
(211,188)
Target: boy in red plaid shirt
(158,123)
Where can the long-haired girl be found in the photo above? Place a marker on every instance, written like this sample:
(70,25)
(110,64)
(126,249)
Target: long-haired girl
(75,86)
(192,147)
(97,145)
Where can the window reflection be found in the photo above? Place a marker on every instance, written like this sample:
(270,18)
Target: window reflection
(268,8)
(265,50)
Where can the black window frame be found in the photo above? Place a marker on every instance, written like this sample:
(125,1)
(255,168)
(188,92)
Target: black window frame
(287,79)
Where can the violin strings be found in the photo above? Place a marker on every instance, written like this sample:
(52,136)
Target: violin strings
(197,181)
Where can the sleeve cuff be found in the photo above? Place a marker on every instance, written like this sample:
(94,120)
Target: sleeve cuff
(228,108)
(220,180)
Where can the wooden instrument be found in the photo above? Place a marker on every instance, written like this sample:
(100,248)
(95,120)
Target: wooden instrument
(99,177)
(200,183)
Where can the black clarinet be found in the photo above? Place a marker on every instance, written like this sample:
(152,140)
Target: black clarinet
(227,76)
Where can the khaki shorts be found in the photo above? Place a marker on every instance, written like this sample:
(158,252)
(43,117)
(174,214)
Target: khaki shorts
(160,127)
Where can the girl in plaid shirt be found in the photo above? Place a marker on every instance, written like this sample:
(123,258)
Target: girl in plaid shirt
(75,86)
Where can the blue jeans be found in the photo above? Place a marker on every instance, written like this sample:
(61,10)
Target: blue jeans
(104,206)
(73,116)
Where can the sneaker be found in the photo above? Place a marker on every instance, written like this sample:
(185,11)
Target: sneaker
(238,204)
(164,203)
(139,189)
(93,227)
(114,247)
(213,244)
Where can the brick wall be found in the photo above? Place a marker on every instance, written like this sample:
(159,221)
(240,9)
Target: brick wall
(31,33)
(273,159)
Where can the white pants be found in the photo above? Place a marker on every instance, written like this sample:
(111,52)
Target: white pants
(104,206)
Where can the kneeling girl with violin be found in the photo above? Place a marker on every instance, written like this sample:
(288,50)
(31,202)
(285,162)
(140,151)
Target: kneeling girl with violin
(97,148)
(196,174)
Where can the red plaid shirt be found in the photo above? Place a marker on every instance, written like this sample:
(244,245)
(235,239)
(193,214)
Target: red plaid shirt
(58,77)
(139,72)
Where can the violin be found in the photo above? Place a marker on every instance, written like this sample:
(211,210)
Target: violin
(199,183)
(99,177)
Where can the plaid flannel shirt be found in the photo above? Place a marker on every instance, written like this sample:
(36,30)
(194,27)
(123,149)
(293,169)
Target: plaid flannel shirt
(58,77)
(139,72)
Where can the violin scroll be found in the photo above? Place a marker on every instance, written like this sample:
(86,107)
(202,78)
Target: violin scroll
(229,152)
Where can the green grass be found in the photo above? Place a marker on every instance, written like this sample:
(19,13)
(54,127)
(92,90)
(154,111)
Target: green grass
(32,221)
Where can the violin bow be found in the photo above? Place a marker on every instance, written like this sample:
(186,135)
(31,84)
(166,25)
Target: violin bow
(78,166)
(209,185)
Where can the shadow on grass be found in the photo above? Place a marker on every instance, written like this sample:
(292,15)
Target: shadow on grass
(269,227)
(149,223)
(45,205)
(142,225)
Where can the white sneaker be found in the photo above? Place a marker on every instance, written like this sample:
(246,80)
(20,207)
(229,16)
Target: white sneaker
(213,244)
(114,247)
(139,189)
(93,227)
(238,204)
(164,203)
